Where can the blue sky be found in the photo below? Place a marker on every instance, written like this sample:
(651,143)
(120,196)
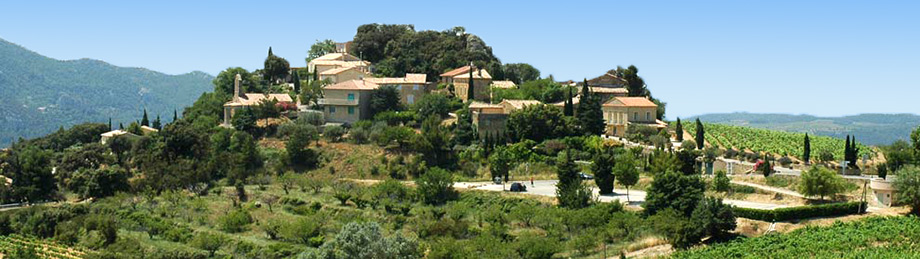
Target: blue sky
(826,58)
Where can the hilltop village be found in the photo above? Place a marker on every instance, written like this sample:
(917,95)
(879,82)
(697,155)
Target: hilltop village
(422,144)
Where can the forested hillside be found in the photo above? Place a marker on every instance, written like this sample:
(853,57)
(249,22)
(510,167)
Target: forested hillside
(40,94)
(870,129)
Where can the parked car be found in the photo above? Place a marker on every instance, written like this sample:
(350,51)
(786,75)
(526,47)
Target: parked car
(585,176)
(518,187)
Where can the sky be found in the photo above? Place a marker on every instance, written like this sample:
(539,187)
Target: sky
(825,58)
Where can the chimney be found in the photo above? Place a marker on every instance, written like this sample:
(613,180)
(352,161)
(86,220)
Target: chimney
(236,87)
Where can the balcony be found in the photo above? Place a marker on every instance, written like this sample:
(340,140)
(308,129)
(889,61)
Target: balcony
(335,101)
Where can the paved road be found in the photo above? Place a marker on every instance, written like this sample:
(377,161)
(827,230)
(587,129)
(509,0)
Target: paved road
(636,197)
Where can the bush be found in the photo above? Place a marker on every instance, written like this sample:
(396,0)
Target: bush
(436,186)
(334,133)
(207,241)
(236,221)
(737,188)
(721,182)
(802,212)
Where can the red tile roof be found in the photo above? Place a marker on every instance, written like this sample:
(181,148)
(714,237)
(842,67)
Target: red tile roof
(458,71)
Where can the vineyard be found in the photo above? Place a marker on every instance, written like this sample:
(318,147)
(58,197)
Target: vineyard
(771,141)
(13,246)
(876,237)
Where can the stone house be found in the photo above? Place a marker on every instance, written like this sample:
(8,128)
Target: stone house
(241,100)
(492,118)
(348,101)
(411,87)
(460,78)
(336,60)
(623,112)
(343,74)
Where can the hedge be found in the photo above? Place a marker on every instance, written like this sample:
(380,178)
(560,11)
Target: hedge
(802,212)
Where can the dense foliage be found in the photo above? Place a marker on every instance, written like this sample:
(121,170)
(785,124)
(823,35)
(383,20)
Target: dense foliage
(802,212)
(397,49)
(858,239)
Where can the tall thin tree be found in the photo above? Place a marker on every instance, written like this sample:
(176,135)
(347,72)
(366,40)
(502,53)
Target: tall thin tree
(679,130)
(700,134)
(144,120)
(470,90)
(569,109)
(806,155)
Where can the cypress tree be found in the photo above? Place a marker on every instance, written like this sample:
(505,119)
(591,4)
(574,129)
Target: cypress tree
(569,109)
(270,51)
(679,131)
(700,134)
(144,120)
(156,123)
(807,154)
(296,82)
(846,150)
(470,90)
(110,123)
(175,115)
(590,114)
(121,126)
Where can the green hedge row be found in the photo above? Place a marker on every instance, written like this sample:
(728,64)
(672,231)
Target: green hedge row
(802,212)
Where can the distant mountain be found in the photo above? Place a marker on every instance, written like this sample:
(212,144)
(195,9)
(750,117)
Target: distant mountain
(869,129)
(40,94)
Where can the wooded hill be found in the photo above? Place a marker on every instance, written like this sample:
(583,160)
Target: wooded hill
(41,94)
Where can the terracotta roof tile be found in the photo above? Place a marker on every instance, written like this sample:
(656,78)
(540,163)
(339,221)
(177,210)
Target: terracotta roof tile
(353,85)
(631,102)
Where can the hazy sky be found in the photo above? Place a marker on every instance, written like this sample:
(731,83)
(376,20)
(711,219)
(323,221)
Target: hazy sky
(824,58)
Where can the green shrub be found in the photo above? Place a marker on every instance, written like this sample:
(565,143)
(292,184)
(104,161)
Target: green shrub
(236,221)
(207,241)
(436,186)
(743,188)
(802,212)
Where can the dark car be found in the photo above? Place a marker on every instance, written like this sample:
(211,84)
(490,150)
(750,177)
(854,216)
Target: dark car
(585,176)
(518,187)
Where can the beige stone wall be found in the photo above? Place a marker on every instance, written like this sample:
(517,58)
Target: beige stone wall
(481,87)
(360,110)
(416,91)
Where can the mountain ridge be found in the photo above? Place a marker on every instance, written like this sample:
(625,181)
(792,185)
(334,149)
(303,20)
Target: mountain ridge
(41,94)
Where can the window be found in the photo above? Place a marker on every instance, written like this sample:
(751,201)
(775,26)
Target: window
(635,116)
(351,110)
(415,87)
(410,99)
(648,116)
(351,97)
(331,109)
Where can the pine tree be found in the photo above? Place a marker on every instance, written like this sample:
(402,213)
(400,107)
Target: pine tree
(144,120)
(570,191)
(470,91)
(569,109)
(807,154)
(700,134)
(679,130)
(156,123)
